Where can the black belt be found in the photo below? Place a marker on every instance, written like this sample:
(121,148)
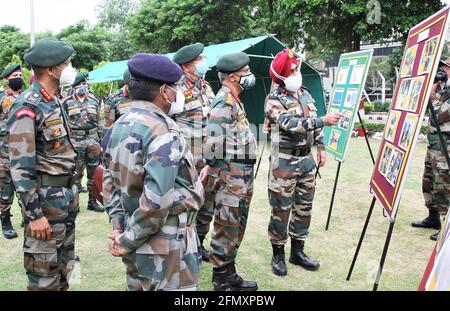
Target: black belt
(296,152)
(64,181)
(84,132)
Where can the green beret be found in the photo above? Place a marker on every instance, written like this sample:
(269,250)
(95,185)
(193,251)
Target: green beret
(127,76)
(232,62)
(188,53)
(9,70)
(48,53)
(81,76)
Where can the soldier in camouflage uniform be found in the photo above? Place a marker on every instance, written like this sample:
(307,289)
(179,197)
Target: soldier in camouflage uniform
(294,124)
(230,149)
(83,110)
(116,104)
(151,189)
(436,175)
(42,168)
(14,83)
(192,122)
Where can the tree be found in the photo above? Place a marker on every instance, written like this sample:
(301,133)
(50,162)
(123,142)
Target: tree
(12,42)
(91,44)
(332,27)
(165,26)
(112,15)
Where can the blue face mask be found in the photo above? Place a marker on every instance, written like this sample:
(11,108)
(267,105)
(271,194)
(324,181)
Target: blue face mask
(201,69)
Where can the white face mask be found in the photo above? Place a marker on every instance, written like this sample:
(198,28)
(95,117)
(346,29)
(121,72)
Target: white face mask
(293,83)
(178,105)
(68,76)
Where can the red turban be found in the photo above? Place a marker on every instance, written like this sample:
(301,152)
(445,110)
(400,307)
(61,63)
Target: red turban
(282,65)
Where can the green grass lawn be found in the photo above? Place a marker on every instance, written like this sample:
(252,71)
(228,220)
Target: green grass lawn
(405,264)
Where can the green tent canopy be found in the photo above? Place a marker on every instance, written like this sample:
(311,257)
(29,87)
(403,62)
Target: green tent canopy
(261,51)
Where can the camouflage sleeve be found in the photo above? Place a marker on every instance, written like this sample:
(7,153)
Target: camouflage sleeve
(109,114)
(22,155)
(214,144)
(318,139)
(444,113)
(277,114)
(111,199)
(161,170)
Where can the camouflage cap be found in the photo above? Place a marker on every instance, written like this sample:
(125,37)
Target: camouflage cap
(48,53)
(232,62)
(9,70)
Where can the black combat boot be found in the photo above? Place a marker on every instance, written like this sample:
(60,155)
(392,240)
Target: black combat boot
(278,261)
(205,255)
(298,257)
(226,279)
(93,205)
(81,189)
(433,221)
(435,236)
(7,228)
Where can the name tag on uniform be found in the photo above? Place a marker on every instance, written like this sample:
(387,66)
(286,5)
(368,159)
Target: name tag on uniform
(74,110)
(53,122)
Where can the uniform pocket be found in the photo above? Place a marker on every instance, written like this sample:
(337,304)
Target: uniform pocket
(154,246)
(41,256)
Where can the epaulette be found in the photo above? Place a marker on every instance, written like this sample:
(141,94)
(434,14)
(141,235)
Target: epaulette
(32,98)
(229,99)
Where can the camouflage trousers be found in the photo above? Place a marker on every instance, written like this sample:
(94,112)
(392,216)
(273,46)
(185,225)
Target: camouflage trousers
(6,183)
(169,260)
(232,203)
(206,212)
(291,190)
(436,180)
(89,154)
(49,264)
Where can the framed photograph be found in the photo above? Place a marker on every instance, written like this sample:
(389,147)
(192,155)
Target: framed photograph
(394,166)
(407,133)
(408,62)
(337,97)
(414,94)
(345,120)
(334,139)
(351,98)
(357,74)
(392,125)
(429,51)
(386,158)
(343,75)
(403,94)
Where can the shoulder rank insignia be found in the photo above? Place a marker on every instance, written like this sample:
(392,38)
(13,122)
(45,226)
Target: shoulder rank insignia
(46,95)
(229,99)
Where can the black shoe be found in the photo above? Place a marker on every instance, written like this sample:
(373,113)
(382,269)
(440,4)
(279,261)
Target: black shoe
(226,279)
(433,221)
(93,205)
(298,257)
(205,254)
(7,228)
(434,237)
(278,260)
